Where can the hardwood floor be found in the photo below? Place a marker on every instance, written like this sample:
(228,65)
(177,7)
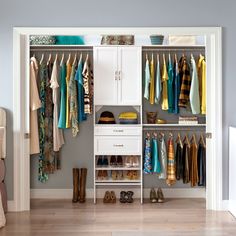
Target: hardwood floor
(176,217)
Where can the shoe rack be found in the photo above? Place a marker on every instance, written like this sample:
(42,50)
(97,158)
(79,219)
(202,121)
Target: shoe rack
(117,154)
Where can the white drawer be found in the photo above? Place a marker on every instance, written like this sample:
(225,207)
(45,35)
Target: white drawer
(117,130)
(122,145)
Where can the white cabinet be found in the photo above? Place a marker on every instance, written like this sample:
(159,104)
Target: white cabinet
(117,73)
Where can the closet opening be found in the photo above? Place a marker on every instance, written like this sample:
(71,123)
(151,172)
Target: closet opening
(132,126)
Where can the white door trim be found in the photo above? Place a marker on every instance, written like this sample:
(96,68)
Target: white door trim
(214,101)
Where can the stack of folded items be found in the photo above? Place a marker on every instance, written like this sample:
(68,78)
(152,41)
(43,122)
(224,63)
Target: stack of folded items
(188,120)
(128,118)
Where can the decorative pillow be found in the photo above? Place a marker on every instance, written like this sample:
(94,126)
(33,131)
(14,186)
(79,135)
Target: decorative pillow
(42,40)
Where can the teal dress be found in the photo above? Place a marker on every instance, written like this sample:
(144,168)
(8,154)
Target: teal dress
(62,116)
(80,92)
(170,86)
(156,165)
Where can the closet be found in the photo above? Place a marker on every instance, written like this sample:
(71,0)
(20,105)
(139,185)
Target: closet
(119,80)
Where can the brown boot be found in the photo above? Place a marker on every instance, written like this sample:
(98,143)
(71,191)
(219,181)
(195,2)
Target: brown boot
(75,185)
(83,175)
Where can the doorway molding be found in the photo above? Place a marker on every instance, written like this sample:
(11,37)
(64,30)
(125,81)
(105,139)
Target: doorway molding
(21,158)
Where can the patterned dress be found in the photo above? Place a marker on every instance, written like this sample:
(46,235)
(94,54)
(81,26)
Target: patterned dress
(42,175)
(48,148)
(73,103)
(171,178)
(147,164)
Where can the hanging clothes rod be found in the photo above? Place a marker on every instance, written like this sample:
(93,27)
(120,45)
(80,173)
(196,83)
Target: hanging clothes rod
(61,50)
(174,49)
(174,128)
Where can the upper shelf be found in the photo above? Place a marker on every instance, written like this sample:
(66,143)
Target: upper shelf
(174,125)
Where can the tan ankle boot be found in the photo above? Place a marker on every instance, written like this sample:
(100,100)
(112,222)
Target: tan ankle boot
(82,192)
(75,172)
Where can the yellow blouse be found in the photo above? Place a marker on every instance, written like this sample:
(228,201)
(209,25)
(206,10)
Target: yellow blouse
(164,104)
(152,85)
(202,83)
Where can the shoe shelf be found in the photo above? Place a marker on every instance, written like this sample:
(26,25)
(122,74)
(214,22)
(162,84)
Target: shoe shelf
(117,168)
(118,183)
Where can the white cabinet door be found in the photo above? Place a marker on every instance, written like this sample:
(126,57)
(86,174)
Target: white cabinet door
(130,77)
(105,82)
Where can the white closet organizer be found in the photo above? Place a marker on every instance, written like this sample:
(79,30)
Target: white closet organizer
(118,72)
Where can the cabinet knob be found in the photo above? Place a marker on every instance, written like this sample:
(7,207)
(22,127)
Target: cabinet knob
(116,74)
(118,145)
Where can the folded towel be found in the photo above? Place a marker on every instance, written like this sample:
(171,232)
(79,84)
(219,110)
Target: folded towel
(128,115)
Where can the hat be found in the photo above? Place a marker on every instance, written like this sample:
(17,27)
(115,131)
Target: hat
(106,117)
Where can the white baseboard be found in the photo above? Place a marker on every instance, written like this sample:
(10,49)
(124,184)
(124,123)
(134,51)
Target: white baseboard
(67,193)
(11,205)
(225,205)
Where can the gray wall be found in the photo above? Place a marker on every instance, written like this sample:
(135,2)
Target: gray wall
(118,13)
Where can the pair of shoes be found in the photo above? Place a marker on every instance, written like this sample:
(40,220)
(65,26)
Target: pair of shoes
(116,161)
(79,184)
(109,197)
(102,161)
(126,197)
(132,161)
(132,175)
(156,196)
(102,175)
(117,175)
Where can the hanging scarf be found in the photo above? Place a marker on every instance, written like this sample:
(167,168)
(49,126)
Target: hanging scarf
(147,164)
(164,104)
(155,157)
(163,158)
(73,103)
(171,179)
(152,82)
(185,82)
(147,80)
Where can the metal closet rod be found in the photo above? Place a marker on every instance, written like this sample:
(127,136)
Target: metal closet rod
(60,50)
(173,50)
(175,128)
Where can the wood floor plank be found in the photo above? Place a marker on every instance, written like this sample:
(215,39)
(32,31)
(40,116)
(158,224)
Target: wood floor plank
(176,217)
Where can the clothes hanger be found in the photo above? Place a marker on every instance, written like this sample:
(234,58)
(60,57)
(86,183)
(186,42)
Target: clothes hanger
(162,135)
(87,57)
(148,135)
(155,134)
(34,55)
(68,60)
(42,57)
(178,140)
(62,59)
(56,58)
(202,140)
(186,140)
(158,57)
(176,58)
(170,135)
(49,58)
(152,56)
(146,56)
(75,59)
(164,58)
(81,57)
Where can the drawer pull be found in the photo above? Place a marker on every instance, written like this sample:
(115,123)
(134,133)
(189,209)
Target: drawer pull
(118,130)
(118,145)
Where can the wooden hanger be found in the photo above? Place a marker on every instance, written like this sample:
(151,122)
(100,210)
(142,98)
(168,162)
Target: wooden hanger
(148,135)
(193,139)
(176,58)
(87,57)
(62,59)
(49,58)
(81,57)
(152,56)
(162,135)
(171,135)
(158,57)
(186,140)
(146,56)
(164,58)
(75,59)
(42,57)
(155,135)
